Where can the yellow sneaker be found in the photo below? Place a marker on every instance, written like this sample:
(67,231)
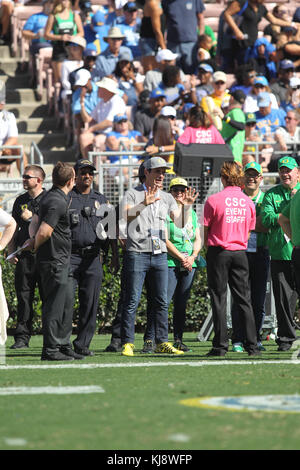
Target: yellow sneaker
(127,349)
(167,348)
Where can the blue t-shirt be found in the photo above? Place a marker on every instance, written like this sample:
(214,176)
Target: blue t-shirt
(90,100)
(273,120)
(132,36)
(106,62)
(131,134)
(34,24)
(181,18)
(172,93)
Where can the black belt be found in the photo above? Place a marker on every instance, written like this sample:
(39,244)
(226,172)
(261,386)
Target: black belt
(86,251)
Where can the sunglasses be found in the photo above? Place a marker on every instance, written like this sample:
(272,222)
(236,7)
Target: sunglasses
(251,124)
(258,85)
(252,75)
(121,121)
(87,172)
(28,177)
(178,189)
(220,83)
(287,118)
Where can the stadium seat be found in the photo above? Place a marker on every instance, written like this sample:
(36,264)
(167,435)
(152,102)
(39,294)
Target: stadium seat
(43,63)
(20,15)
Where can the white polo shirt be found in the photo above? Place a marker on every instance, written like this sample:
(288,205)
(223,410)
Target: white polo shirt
(8,126)
(108,110)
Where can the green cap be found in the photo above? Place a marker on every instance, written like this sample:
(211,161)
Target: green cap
(289,162)
(253,166)
(250,117)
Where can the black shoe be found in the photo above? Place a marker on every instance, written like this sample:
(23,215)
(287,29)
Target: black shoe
(181,346)
(84,351)
(284,347)
(19,345)
(256,352)
(57,356)
(114,346)
(148,347)
(216,352)
(69,352)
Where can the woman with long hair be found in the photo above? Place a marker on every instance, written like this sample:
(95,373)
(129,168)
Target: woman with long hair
(62,24)
(162,140)
(200,129)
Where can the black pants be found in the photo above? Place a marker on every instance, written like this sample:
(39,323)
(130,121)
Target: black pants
(229,267)
(296,268)
(26,279)
(56,318)
(285,297)
(87,275)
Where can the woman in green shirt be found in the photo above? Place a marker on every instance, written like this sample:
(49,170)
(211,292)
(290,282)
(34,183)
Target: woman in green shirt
(62,24)
(183,246)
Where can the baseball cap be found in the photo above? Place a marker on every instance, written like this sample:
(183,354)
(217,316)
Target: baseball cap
(82,77)
(239,96)
(157,93)
(83,163)
(120,117)
(250,117)
(286,64)
(155,162)
(178,182)
(253,166)
(165,54)
(98,19)
(206,67)
(219,76)
(168,111)
(90,51)
(261,81)
(187,107)
(130,6)
(263,99)
(289,162)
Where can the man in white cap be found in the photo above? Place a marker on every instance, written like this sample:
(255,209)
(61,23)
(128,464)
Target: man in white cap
(74,61)
(106,61)
(153,77)
(100,121)
(145,209)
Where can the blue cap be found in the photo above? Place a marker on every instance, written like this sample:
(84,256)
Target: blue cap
(157,93)
(261,81)
(98,19)
(263,99)
(187,107)
(90,50)
(130,6)
(120,117)
(206,67)
(286,64)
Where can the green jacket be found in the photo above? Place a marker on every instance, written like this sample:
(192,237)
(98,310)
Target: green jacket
(275,200)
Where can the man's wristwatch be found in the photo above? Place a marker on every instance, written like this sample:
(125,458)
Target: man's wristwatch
(161,149)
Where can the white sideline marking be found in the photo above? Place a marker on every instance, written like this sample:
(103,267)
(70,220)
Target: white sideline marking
(148,364)
(15,441)
(50,390)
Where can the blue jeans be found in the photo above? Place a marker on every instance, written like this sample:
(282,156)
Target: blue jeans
(259,264)
(137,265)
(187,55)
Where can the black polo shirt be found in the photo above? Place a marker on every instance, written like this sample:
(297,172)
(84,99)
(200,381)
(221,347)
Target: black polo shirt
(25,201)
(54,211)
(250,21)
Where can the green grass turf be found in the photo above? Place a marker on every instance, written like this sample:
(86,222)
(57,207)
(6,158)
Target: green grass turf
(140,407)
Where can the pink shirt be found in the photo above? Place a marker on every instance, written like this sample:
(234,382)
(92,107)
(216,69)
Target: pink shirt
(229,216)
(201,135)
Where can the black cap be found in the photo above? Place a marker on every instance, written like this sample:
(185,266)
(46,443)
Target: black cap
(83,163)
(130,6)
(239,96)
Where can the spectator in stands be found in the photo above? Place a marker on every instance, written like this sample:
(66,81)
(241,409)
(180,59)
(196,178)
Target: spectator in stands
(130,27)
(171,85)
(130,81)
(246,32)
(62,24)
(205,87)
(106,62)
(182,35)
(73,62)
(233,129)
(289,135)
(114,12)
(282,84)
(171,113)
(89,57)
(153,77)
(268,119)
(34,28)
(101,119)
(9,137)
(272,31)
(251,135)
(84,99)
(245,76)
(144,119)
(162,140)
(226,237)
(258,261)
(7,8)
(263,55)
(96,30)
(260,85)
(200,129)
(151,33)
(212,103)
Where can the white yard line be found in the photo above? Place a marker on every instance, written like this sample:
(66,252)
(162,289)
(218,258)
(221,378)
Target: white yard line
(60,390)
(148,364)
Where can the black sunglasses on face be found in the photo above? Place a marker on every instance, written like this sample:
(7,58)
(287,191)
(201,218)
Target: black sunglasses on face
(28,177)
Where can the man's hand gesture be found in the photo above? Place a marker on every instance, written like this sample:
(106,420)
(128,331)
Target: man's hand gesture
(150,197)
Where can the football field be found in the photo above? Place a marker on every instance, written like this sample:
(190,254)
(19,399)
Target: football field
(150,401)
